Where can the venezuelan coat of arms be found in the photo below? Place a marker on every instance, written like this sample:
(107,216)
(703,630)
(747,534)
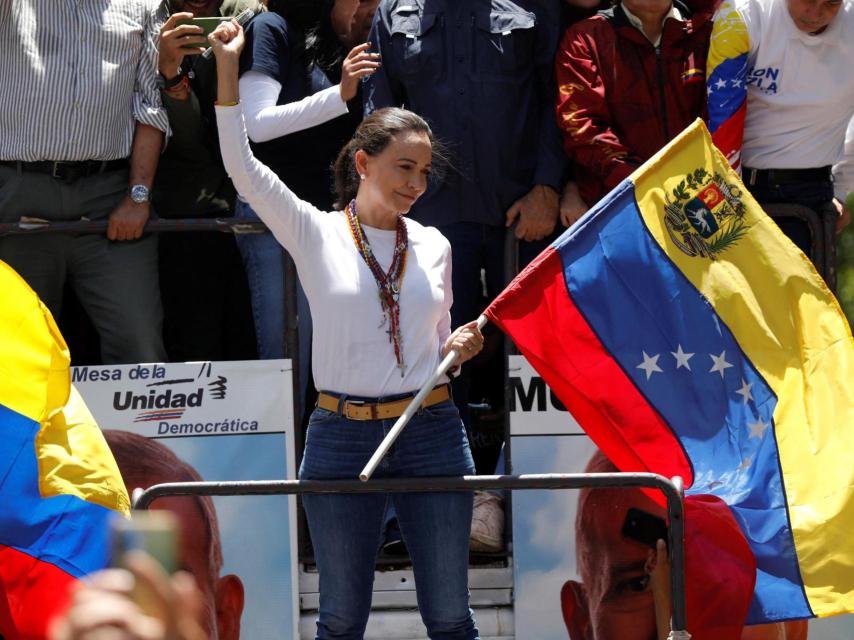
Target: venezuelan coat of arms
(705,216)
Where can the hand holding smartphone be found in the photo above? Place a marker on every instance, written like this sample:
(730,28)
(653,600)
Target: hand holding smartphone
(207,25)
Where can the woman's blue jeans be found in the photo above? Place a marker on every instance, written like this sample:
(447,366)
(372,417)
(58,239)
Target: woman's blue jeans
(346,529)
(263,260)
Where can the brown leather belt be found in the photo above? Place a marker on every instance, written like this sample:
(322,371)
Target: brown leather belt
(361,410)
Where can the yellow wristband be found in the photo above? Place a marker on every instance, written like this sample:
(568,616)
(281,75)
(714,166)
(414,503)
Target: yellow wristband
(226,104)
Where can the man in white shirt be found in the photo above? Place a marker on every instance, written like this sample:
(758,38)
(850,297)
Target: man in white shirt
(781,95)
(81,131)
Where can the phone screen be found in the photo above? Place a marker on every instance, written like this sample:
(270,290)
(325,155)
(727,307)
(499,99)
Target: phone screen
(644,527)
(207,24)
(154,532)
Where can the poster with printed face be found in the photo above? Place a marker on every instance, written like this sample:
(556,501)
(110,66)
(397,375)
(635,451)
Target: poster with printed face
(576,575)
(213,421)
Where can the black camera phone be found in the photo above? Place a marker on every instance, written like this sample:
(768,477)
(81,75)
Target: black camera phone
(644,527)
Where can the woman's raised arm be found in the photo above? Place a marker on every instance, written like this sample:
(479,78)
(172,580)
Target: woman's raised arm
(293,221)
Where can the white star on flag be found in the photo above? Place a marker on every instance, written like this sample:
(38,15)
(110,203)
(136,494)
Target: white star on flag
(736,83)
(720,84)
(720,363)
(682,358)
(650,364)
(757,429)
(745,464)
(744,392)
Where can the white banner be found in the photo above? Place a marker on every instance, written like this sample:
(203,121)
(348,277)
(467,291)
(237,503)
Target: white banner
(186,407)
(190,399)
(534,409)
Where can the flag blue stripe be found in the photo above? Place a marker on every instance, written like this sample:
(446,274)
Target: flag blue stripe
(638,302)
(727,92)
(65,530)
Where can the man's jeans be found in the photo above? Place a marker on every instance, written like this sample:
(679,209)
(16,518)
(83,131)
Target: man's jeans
(346,529)
(263,259)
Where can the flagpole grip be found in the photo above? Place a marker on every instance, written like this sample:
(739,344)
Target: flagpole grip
(410,410)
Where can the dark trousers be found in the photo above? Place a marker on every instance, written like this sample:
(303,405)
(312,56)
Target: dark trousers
(207,314)
(116,282)
(816,195)
(474,247)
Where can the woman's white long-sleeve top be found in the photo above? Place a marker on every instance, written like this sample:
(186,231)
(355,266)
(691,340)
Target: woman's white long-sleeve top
(351,350)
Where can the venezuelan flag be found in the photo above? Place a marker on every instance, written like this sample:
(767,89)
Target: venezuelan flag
(58,481)
(688,336)
(726,82)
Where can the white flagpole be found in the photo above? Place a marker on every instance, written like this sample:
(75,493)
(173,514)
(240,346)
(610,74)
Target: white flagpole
(410,410)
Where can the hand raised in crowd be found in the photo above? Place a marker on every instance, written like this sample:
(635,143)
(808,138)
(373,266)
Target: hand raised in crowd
(537,212)
(104,605)
(227,40)
(358,64)
(572,207)
(173,39)
(467,340)
(844,214)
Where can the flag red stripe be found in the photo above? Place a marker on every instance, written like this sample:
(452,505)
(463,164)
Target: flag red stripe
(31,594)
(578,368)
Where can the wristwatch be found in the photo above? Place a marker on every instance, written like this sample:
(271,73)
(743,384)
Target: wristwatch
(139,193)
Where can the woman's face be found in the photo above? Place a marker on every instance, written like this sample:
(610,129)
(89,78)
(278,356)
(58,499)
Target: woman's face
(342,15)
(397,177)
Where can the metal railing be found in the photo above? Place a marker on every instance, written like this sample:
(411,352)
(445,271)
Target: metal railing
(32,226)
(672,490)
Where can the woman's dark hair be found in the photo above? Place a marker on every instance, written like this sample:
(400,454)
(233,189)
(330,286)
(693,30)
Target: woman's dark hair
(320,44)
(372,136)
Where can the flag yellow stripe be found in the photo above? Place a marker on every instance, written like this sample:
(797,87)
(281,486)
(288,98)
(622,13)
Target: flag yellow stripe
(730,37)
(35,381)
(34,367)
(74,459)
(791,327)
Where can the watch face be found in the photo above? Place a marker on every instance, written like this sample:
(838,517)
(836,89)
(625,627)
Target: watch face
(139,193)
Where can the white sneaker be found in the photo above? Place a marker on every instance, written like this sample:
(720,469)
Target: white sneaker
(487,522)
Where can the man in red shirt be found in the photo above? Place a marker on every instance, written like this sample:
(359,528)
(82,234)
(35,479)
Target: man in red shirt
(629,80)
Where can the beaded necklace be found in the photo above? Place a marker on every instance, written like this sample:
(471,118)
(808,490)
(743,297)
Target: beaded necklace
(389,284)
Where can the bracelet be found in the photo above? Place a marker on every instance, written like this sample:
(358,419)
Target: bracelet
(227,104)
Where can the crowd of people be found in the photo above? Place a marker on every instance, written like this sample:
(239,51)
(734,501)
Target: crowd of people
(476,118)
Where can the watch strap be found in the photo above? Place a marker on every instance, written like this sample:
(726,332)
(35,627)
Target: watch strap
(168,83)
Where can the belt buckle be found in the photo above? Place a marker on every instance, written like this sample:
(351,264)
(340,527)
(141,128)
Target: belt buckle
(55,171)
(753,175)
(348,404)
(64,171)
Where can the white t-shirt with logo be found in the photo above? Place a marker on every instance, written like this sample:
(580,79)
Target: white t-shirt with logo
(800,87)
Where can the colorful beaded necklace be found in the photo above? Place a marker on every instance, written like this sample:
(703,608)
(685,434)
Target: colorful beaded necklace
(389,284)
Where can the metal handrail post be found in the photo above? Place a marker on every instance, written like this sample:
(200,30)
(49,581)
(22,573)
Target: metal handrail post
(676,535)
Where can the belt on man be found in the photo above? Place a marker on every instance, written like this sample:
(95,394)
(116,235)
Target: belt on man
(68,171)
(364,410)
(763,177)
